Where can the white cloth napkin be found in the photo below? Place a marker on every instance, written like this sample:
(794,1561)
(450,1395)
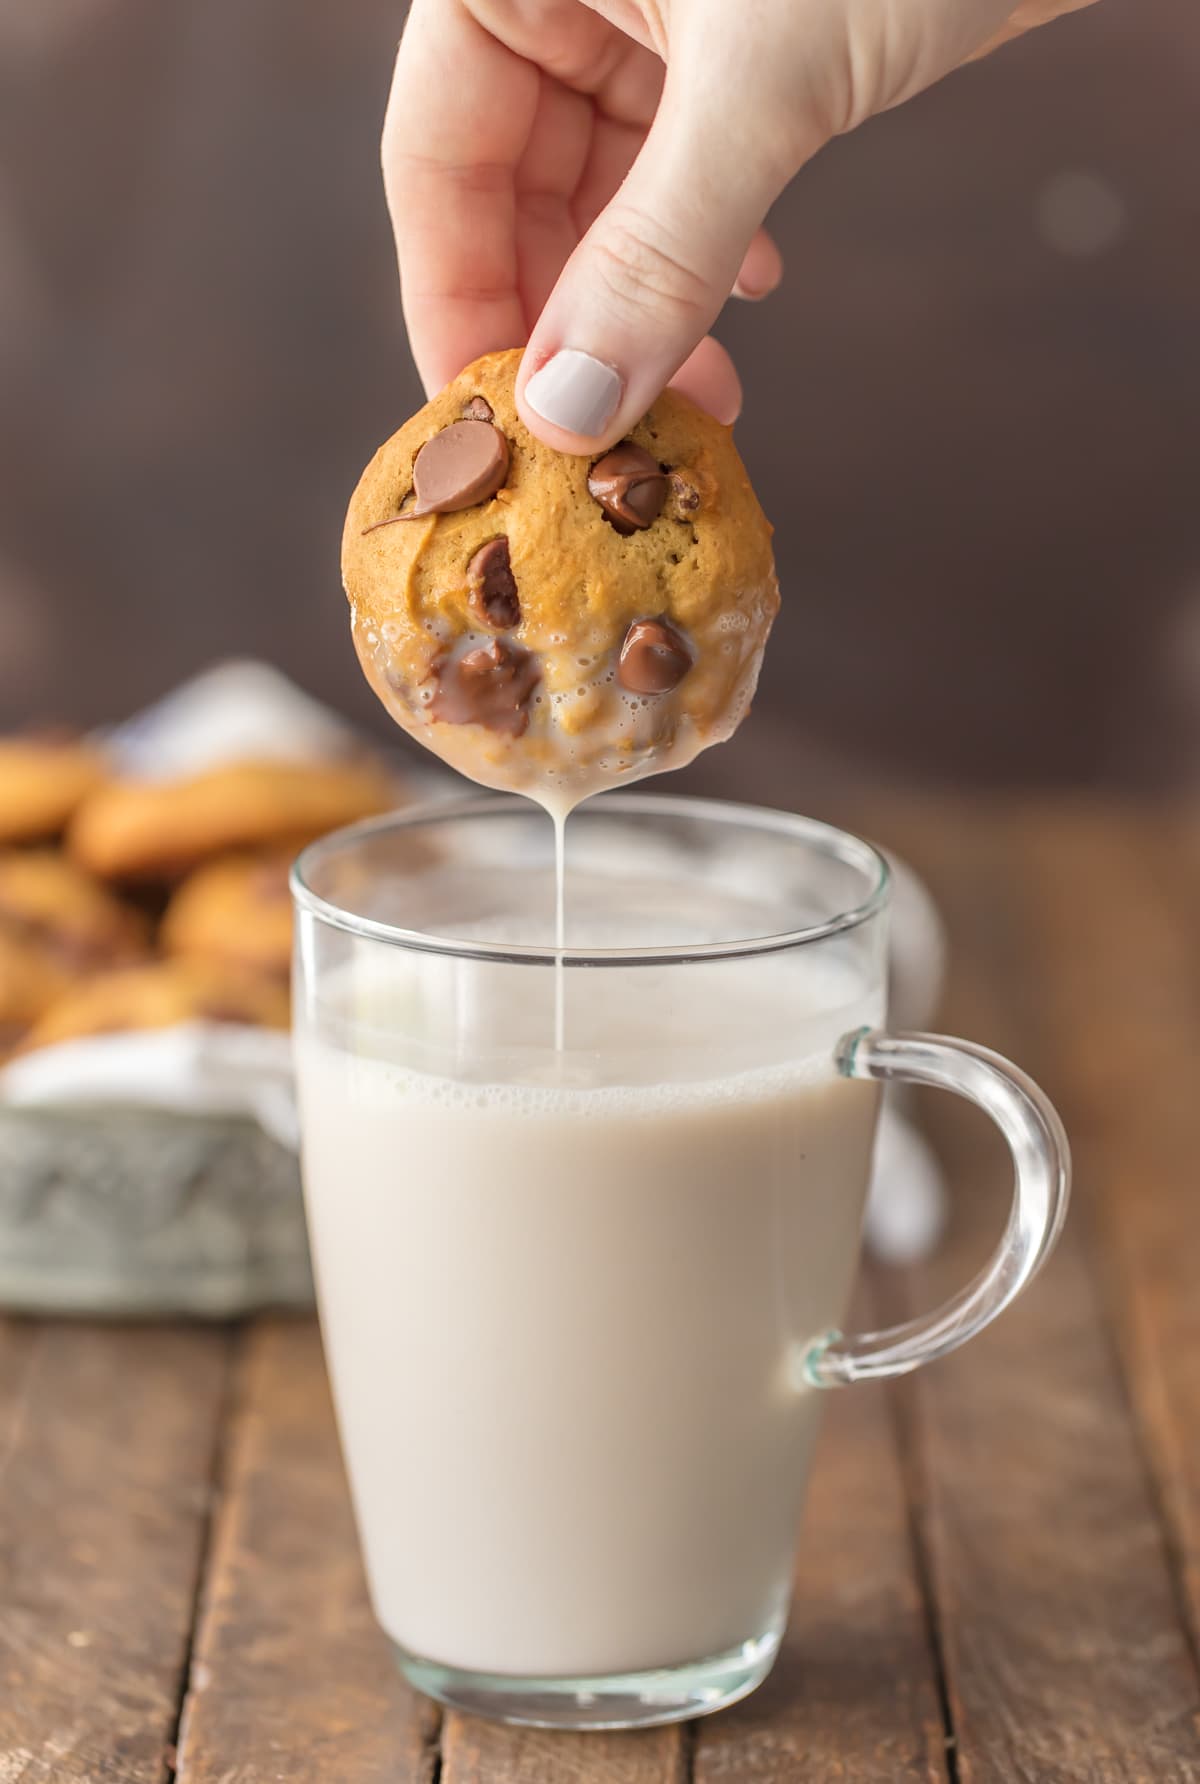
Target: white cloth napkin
(200,1068)
(906,1209)
(243,708)
(235,711)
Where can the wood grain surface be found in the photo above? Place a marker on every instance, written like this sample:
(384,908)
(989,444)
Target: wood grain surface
(1065,1653)
(107,1438)
(1115,916)
(854,1694)
(476,1752)
(290,1676)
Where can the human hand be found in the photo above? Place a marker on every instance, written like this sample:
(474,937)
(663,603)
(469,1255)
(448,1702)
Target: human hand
(591,176)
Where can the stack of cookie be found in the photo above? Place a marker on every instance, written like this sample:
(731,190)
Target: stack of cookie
(127,905)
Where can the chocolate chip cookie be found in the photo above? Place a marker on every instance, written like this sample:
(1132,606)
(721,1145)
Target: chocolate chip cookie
(150,830)
(46,900)
(237,910)
(30,982)
(160,995)
(556,625)
(42,783)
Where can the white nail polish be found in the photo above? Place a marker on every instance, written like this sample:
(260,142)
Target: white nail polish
(575,392)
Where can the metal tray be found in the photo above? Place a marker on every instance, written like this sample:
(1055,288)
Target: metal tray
(140,1213)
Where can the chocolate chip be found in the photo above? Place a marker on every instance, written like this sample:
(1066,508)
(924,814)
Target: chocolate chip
(493,597)
(687,496)
(466,463)
(479,409)
(654,658)
(77,953)
(630,486)
(489,686)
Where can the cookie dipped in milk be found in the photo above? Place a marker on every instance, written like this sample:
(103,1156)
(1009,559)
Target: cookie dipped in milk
(552,625)
(502,1162)
(585,1175)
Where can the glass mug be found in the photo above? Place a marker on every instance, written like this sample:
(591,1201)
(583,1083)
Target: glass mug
(581,1303)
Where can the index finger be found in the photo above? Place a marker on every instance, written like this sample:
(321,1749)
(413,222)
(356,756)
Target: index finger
(459,114)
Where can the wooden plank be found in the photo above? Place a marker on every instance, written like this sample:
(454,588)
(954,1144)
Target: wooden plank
(107,1440)
(291,1677)
(477,1752)
(18,1339)
(1123,1006)
(1065,1655)
(853,1695)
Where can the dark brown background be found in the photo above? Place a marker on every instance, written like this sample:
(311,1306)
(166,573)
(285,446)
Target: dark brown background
(973,412)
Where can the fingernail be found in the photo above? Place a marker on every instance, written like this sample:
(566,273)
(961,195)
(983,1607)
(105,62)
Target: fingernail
(575,392)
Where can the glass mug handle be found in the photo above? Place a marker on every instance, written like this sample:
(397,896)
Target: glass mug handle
(1042,1178)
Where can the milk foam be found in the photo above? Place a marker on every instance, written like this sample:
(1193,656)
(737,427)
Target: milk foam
(375,1084)
(410,1030)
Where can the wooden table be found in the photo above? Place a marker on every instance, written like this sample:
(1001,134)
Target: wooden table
(1000,1573)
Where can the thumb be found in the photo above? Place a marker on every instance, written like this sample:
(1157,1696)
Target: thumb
(645,284)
